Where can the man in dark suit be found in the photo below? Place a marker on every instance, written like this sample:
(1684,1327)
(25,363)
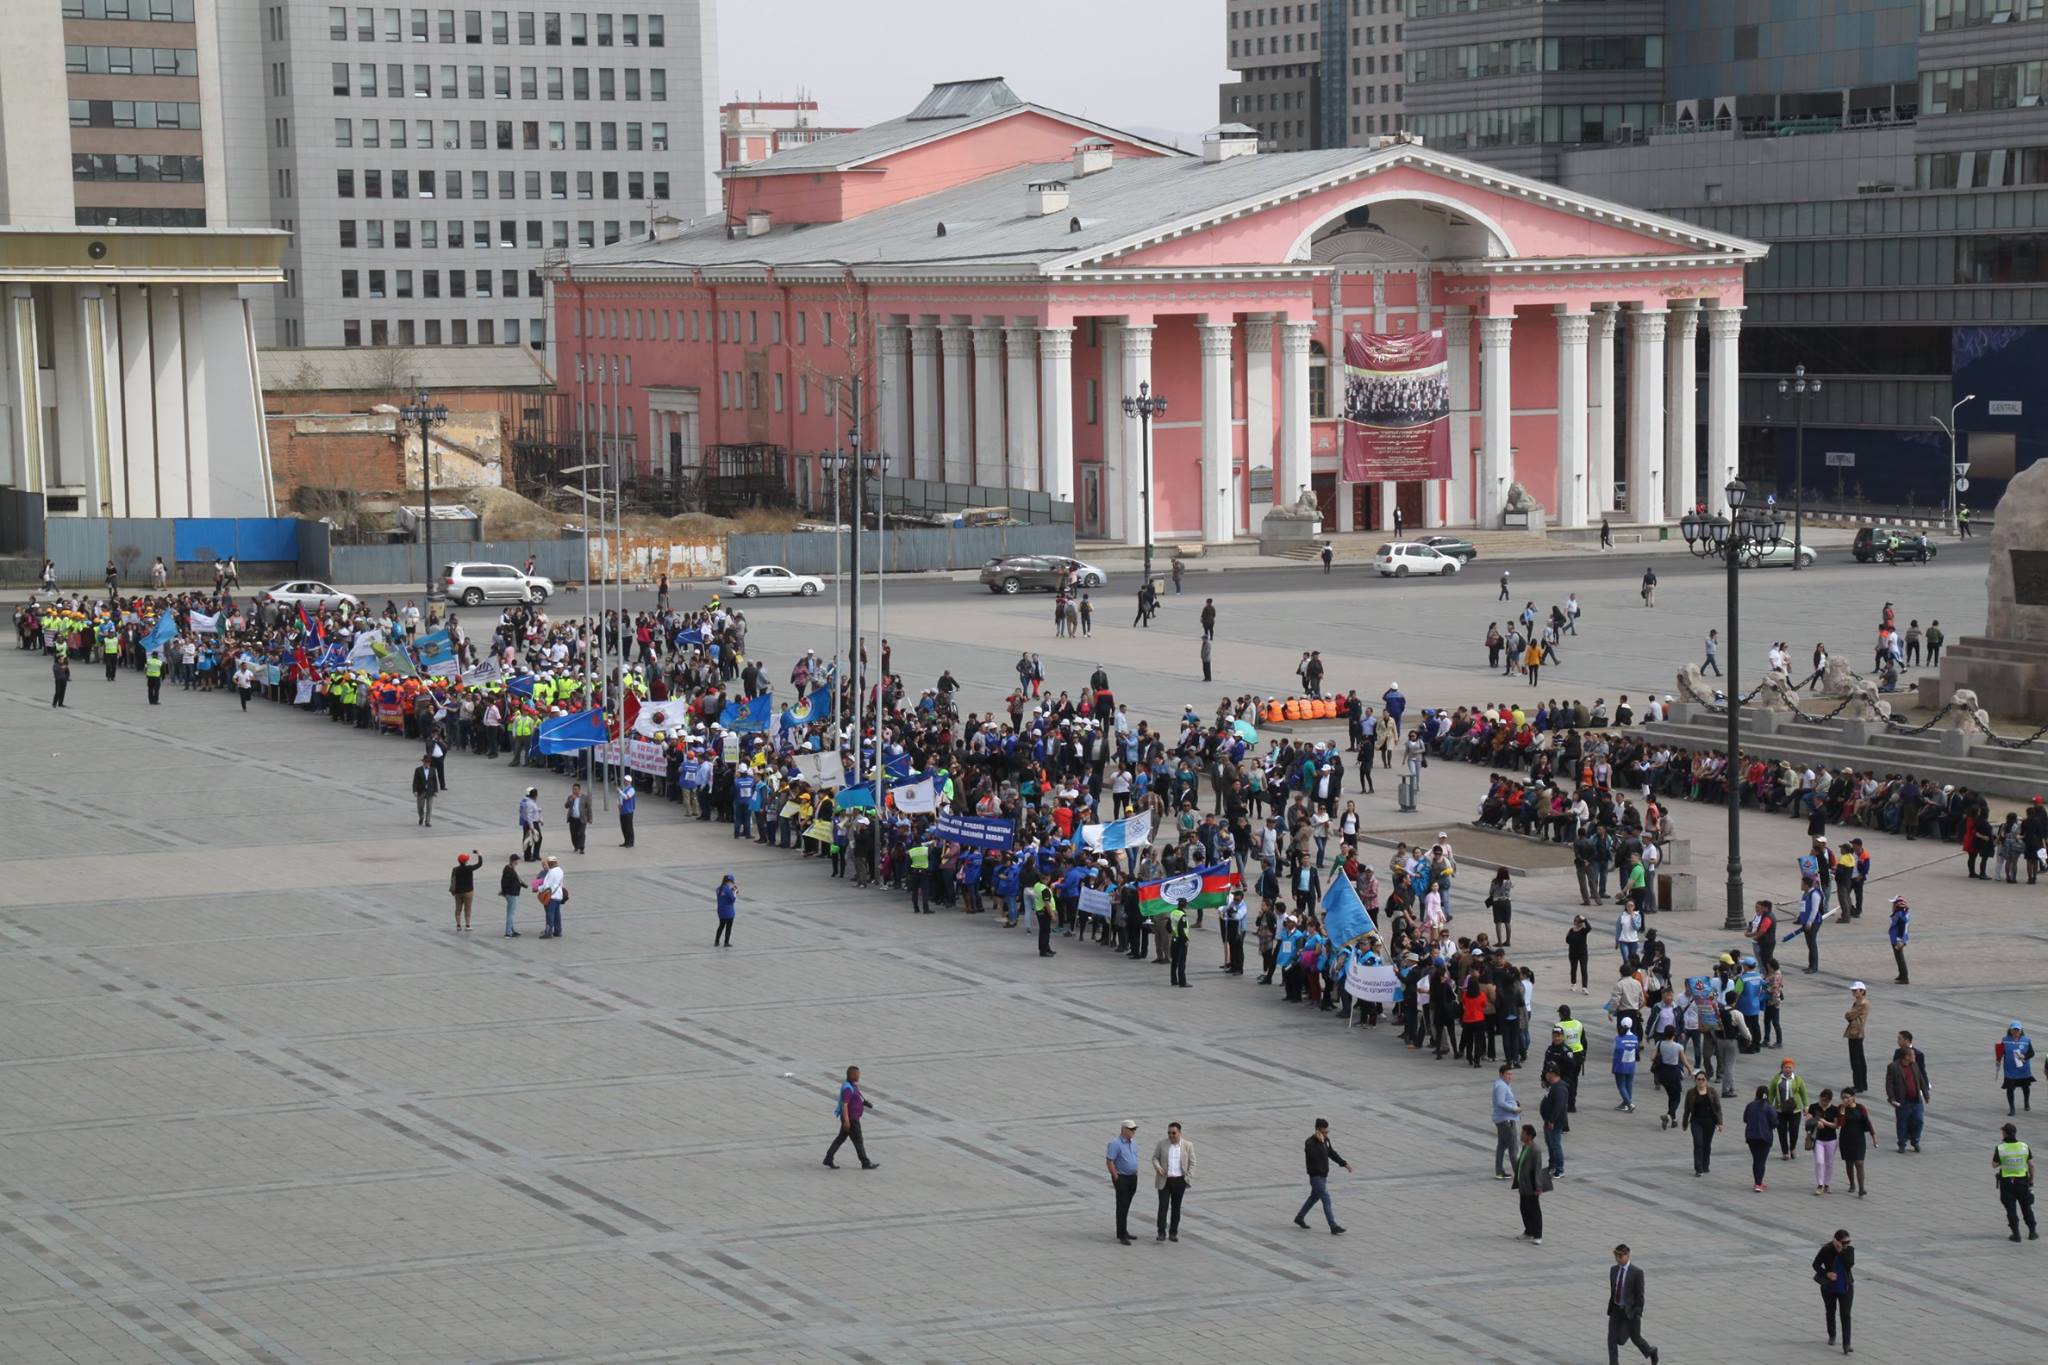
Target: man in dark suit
(1625,1309)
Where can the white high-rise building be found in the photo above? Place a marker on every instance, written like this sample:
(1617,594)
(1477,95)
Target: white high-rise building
(427,161)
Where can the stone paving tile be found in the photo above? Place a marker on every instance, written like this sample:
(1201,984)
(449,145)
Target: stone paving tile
(262,1104)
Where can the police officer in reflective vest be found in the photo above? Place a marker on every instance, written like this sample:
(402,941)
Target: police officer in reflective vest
(2014,1162)
(1043,896)
(1177,932)
(153,670)
(110,647)
(1575,1040)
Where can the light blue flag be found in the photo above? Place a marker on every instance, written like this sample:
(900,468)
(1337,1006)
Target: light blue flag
(567,734)
(817,707)
(437,654)
(749,717)
(1344,917)
(165,631)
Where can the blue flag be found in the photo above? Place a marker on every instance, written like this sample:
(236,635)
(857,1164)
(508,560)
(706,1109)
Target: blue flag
(165,631)
(689,635)
(567,734)
(522,685)
(1344,917)
(897,768)
(437,654)
(817,707)
(747,717)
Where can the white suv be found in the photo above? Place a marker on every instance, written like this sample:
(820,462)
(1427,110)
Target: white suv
(1403,558)
(473,584)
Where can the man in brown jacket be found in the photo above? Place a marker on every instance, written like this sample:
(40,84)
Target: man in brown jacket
(1858,1017)
(1173,1169)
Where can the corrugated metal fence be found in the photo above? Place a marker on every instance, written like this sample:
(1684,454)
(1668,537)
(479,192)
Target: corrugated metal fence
(560,560)
(266,548)
(907,551)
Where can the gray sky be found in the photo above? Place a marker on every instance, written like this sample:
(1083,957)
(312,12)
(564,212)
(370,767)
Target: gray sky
(1143,65)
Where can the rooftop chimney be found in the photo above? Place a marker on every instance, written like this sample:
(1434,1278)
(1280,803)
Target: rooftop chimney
(1229,140)
(759,221)
(1042,197)
(1093,154)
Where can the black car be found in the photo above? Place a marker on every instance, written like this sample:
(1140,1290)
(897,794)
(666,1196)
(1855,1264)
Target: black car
(1891,544)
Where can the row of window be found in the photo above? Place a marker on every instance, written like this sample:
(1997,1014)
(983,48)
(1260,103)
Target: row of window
(427,331)
(1531,124)
(371,284)
(372,134)
(134,114)
(122,166)
(1985,168)
(581,28)
(1973,89)
(92,59)
(431,185)
(2010,258)
(1523,56)
(138,11)
(145,216)
(697,324)
(430,233)
(1937,16)
(1430,9)
(611,83)
(1878,215)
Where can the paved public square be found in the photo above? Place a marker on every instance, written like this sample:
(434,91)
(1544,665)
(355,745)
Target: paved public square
(264,1104)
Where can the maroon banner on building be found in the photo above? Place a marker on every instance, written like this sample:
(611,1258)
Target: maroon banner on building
(1397,407)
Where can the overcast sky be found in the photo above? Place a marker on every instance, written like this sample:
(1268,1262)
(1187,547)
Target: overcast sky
(1143,65)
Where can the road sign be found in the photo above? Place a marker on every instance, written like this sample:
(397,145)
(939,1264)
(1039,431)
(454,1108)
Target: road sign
(2004,407)
(1962,485)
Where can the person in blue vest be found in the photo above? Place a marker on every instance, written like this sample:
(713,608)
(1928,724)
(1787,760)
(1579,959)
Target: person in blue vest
(628,798)
(2016,1065)
(728,911)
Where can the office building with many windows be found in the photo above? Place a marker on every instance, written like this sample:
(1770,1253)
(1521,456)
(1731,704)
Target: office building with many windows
(428,162)
(1326,73)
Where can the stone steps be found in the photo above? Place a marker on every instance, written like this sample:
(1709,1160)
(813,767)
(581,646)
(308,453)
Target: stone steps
(1939,754)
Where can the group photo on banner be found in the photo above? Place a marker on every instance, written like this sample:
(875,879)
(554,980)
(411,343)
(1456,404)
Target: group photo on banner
(1397,407)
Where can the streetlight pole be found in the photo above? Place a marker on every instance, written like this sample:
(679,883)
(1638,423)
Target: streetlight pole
(1731,539)
(425,414)
(1145,407)
(1955,472)
(1797,387)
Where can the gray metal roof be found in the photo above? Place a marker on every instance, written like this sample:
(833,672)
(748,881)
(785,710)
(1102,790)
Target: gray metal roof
(985,219)
(966,99)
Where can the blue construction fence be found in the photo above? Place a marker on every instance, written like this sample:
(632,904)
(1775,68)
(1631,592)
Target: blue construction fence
(264,548)
(346,565)
(907,551)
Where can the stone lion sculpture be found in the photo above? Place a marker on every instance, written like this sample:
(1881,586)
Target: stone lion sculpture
(1775,693)
(1692,687)
(1837,678)
(1519,499)
(1974,720)
(1303,508)
(1864,701)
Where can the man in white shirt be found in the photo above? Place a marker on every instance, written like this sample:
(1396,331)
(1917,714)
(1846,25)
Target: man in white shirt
(1173,1166)
(551,896)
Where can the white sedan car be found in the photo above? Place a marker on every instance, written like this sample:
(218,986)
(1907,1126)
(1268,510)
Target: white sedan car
(1405,558)
(772,580)
(307,591)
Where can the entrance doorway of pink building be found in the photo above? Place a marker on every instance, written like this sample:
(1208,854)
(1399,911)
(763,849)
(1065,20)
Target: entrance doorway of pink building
(1088,516)
(1325,488)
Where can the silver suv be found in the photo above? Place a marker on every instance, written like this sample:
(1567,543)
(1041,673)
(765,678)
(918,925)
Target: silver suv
(473,584)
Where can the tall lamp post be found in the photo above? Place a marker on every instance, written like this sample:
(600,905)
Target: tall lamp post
(424,414)
(853,466)
(1743,533)
(1956,472)
(1145,407)
(1797,388)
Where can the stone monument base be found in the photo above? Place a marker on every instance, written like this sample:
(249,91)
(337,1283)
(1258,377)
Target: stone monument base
(1277,535)
(2010,677)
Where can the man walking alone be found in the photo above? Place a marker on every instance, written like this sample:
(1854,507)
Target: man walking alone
(852,1104)
(1319,1154)
(1625,1309)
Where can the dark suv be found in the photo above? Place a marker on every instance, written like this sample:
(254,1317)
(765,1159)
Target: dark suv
(1873,542)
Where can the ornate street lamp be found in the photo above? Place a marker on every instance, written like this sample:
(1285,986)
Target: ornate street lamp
(1797,388)
(1145,407)
(1745,533)
(423,414)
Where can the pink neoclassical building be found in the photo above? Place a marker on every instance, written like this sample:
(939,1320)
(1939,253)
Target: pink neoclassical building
(1012,273)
